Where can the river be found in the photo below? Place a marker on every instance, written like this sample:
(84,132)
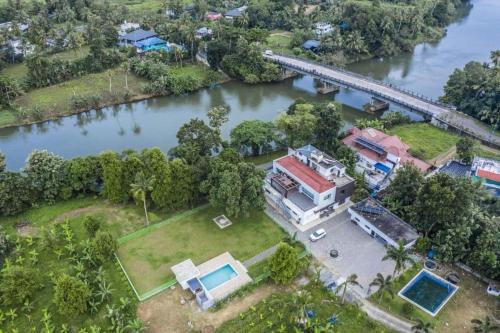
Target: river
(155,122)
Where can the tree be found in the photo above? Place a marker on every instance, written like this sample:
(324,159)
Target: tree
(9,90)
(403,190)
(92,225)
(234,186)
(198,136)
(84,174)
(183,183)
(140,189)
(421,326)
(484,326)
(329,123)
(399,255)
(284,264)
(158,168)
(71,295)
(18,284)
(16,193)
(3,165)
(298,127)
(112,170)
(46,173)
(360,190)
(256,136)
(385,285)
(103,246)
(352,280)
(466,149)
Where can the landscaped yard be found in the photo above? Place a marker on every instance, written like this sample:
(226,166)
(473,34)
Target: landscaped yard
(279,41)
(425,140)
(470,301)
(148,255)
(119,220)
(265,158)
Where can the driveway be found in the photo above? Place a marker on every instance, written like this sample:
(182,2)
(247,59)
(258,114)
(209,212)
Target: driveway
(359,253)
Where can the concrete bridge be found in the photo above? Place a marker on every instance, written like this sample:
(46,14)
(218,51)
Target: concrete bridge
(441,115)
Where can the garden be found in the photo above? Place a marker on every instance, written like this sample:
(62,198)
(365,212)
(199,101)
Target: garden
(60,273)
(148,254)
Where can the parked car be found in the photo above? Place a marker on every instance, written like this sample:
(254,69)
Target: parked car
(317,235)
(493,290)
(268,52)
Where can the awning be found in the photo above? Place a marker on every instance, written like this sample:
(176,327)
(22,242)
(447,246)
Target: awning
(382,167)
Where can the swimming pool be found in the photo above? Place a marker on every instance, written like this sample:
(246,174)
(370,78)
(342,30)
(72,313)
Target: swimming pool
(428,291)
(218,277)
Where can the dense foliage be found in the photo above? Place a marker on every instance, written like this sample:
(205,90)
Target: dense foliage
(254,137)
(284,264)
(475,90)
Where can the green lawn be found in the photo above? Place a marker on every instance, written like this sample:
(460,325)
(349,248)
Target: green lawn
(280,42)
(424,139)
(116,219)
(265,158)
(148,258)
(488,152)
(273,314)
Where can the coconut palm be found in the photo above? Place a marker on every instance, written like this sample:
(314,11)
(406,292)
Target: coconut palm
(140,189)
(300,302)
(400,256)
(484,326)
(421,327)
(352,280)
(384,284)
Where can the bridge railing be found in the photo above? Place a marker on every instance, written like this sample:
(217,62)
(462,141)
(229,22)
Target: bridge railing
(362,77)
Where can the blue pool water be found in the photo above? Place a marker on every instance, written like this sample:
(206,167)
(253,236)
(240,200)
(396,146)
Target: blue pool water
(428,291)
(218,277)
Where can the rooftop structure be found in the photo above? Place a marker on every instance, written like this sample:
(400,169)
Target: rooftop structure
(488,172)
(213,16)
(379,155)
(380,223)
(203,32)
(126,27)
(234,13)
(311,45)
(308,184)
(145,41)
(455,169)
(323,28)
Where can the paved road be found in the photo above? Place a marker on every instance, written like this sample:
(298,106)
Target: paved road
(392,93)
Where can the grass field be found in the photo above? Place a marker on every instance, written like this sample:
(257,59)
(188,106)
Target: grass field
(265,158)
(148,258)
(470,301)
(426,139)
(273,314)
(119,220)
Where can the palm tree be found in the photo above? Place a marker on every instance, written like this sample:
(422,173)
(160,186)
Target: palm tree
(126,70)
(421,327)
(351,280)
(484,326)
(140,189)
(385,285)
(399,255)
(301,301)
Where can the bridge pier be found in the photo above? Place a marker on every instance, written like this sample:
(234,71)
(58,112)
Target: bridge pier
(327,88)
(287,73)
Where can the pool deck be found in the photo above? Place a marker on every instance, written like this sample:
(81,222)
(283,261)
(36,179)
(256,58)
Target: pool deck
(230,286)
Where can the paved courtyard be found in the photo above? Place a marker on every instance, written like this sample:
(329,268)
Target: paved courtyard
(359,253)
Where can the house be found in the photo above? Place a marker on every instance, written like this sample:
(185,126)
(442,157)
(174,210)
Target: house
(322,28)
(19,48)
(127,27)
(213,16)
(487,171)
(204,32)
(23,27)
(379,155)
(311,45)
(381,224)
(144,41)
(235,13)
(455,169)
(307,184)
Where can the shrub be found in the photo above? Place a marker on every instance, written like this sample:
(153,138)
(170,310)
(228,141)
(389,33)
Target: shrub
(92,225)
(407,309)
(71,295)
(284,265)
(104,245)
(17,284)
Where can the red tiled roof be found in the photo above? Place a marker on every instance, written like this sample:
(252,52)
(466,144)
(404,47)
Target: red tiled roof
(305,174)
(488,175)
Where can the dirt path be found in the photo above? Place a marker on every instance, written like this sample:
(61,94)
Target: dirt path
(165,313)
(443,157)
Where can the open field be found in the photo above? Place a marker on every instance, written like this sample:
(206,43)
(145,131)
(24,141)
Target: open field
(265,158)
(116,219)
(424,139)
(148,257)
(470,301)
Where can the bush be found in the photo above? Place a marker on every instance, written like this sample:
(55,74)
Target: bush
(284,265)
(17,284)
(92,225)
(407,309)
(104,245)
(71,295)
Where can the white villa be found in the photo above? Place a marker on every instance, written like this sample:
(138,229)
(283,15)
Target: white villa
(322,28)
(307,184)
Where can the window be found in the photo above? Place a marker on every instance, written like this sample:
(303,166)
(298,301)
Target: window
(327,197)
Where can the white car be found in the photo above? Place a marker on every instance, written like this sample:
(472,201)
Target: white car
(268,52)
(317,235)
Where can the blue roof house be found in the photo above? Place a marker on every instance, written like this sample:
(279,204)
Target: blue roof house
(311,45)
(144,41)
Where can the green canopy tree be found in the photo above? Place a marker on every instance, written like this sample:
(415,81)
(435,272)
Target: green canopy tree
(299,127)
(256,136)
(284,264)
(9,90)
(421,326)
(113,176)
(71,295)
(140,189)
(328,126)
(18,284)
(466,149)
(46,172)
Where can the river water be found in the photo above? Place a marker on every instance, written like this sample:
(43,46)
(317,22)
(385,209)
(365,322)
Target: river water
(155,122)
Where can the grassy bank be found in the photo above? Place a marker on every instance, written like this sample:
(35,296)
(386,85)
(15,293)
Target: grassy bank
(425,141)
